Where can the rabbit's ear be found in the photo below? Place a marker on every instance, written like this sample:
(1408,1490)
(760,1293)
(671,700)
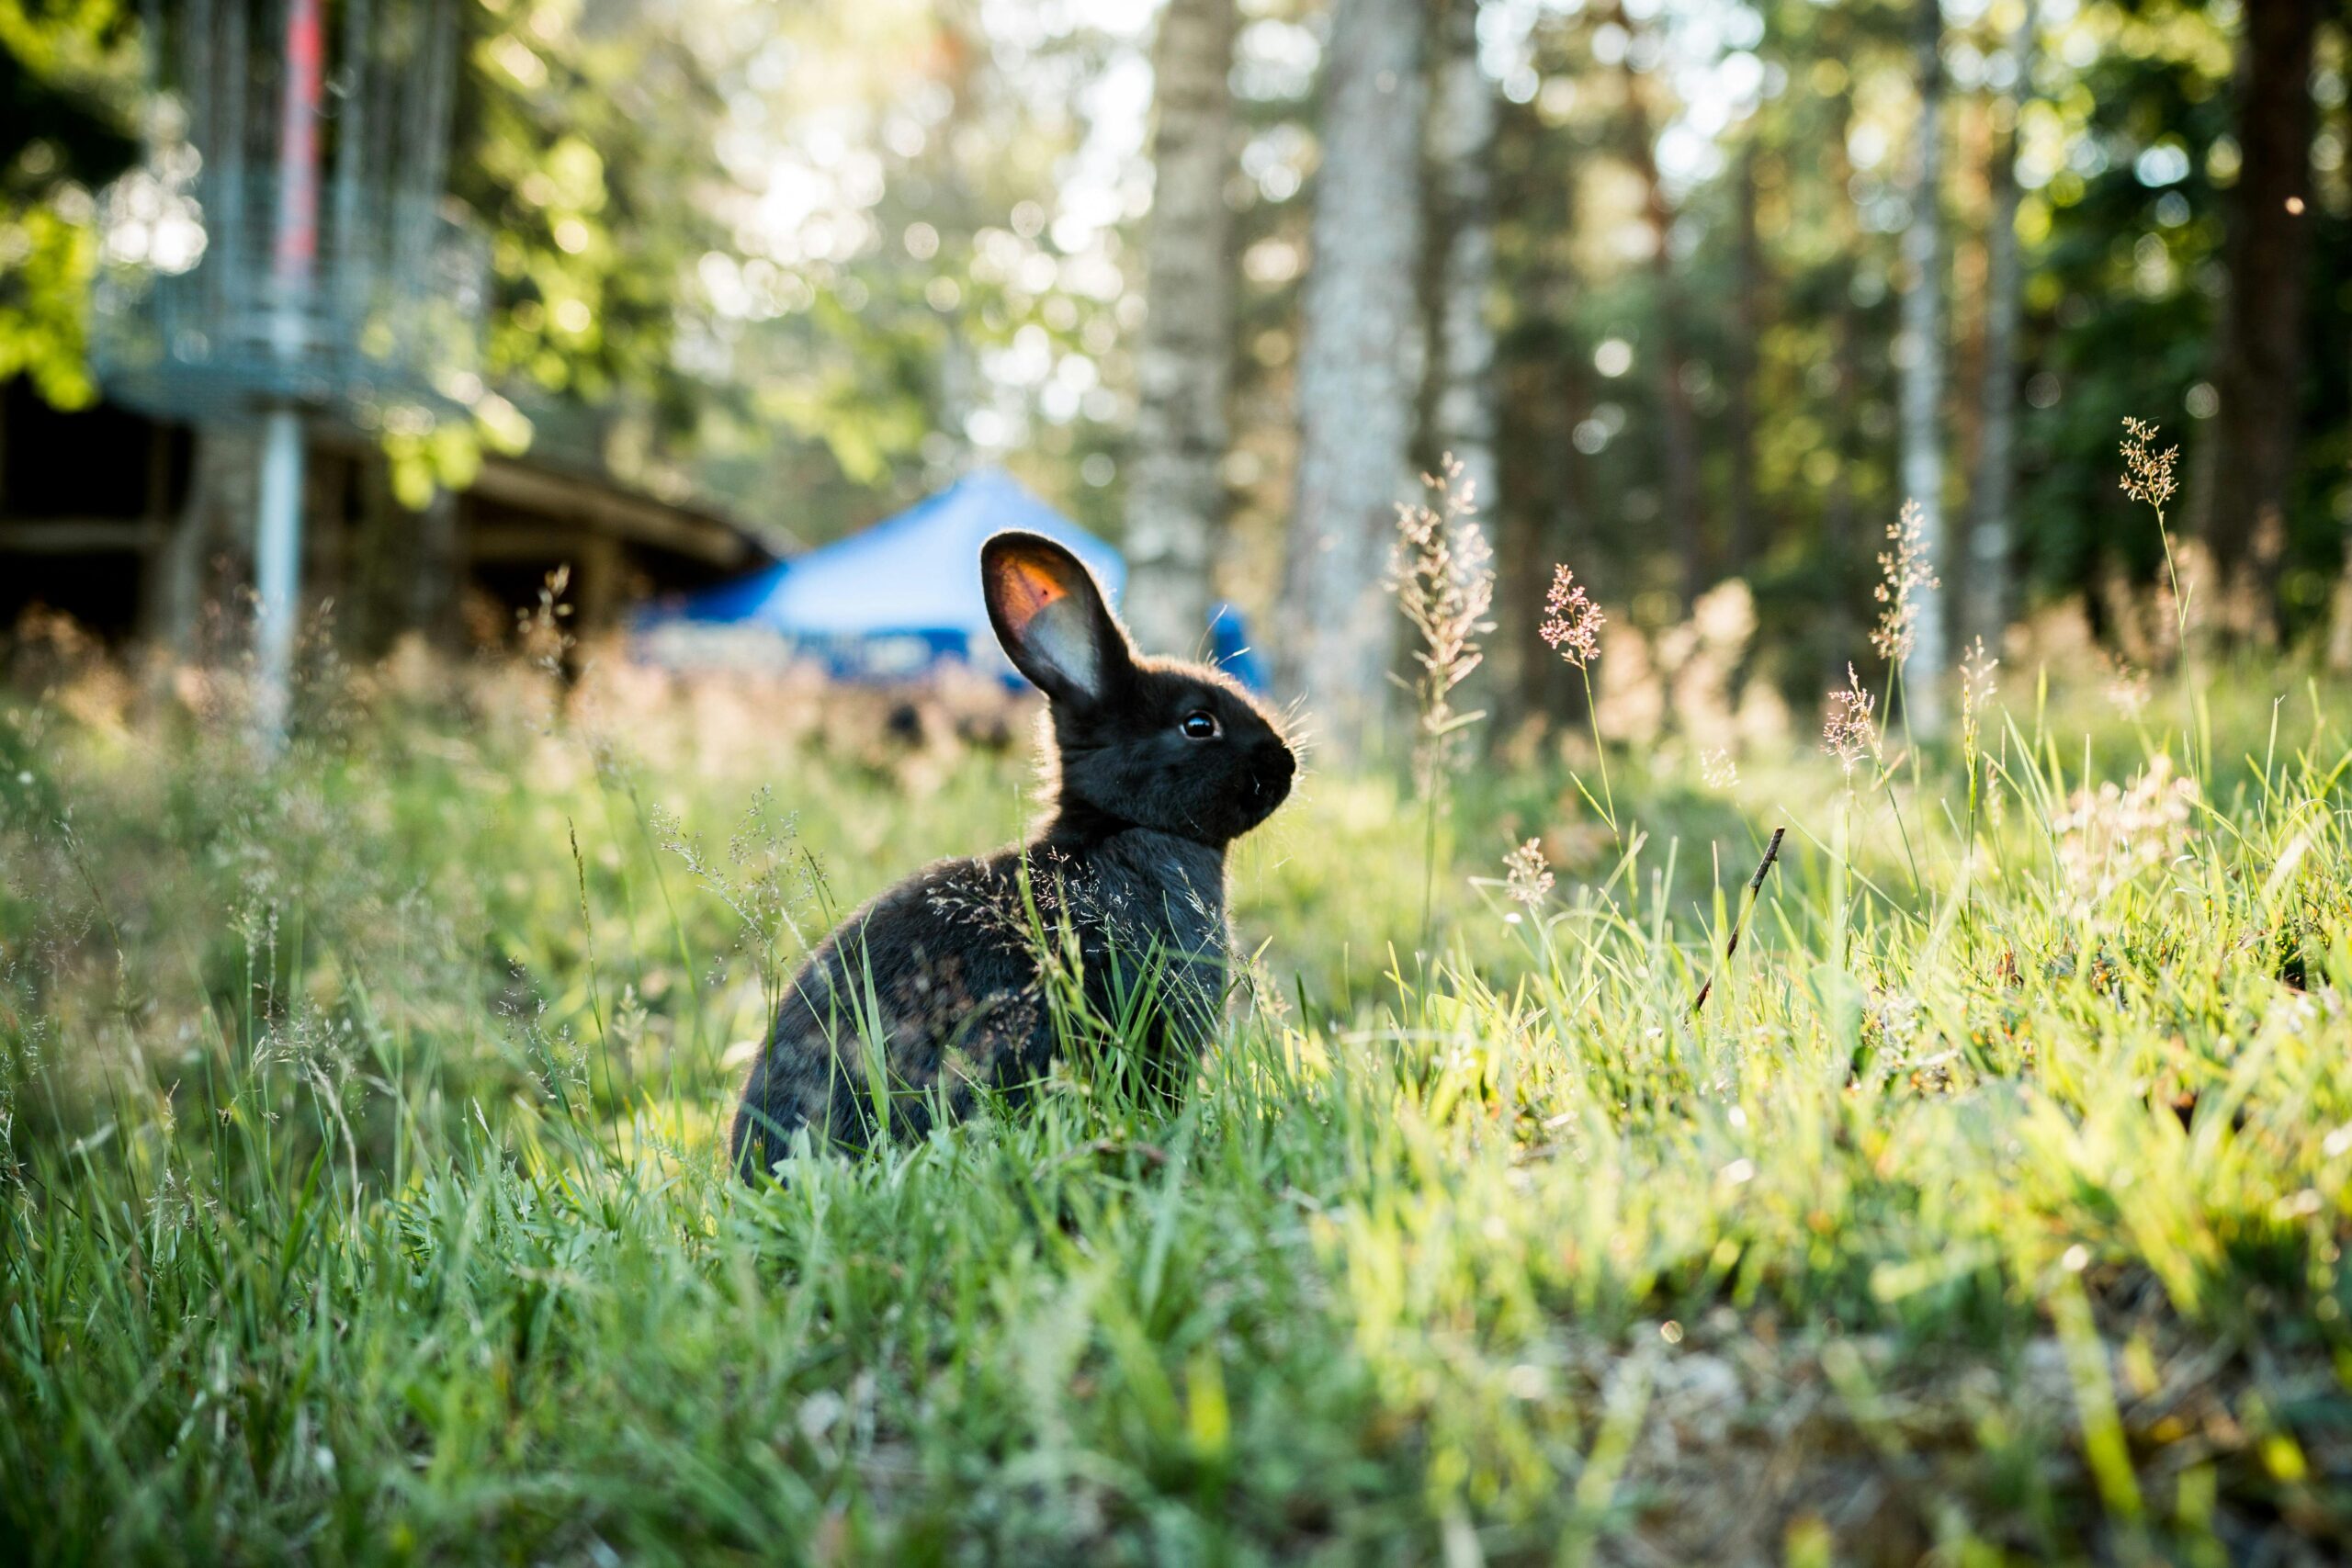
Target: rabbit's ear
(1051,616)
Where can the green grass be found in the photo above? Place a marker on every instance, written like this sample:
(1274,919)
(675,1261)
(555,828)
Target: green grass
(364,1198)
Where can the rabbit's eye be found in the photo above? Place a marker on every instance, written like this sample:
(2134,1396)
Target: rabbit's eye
(1199,724)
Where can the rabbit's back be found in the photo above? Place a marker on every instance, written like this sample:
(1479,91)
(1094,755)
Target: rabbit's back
(940,972)
(931,974)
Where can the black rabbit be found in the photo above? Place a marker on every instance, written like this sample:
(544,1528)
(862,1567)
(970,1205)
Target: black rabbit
(933,989)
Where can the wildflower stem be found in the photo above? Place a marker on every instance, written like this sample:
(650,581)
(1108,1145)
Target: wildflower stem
(1894,688)
(1601,749)
(2148,477)
(1436,785)
(1442,574)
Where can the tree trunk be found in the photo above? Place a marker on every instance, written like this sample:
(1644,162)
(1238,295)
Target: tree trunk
(1463,414)
(190,581)
(1360,364)
(1993,490)
(1462,135)
(1740,548)
(1562,535)
(2339,632)
(1922,361)
(436,583)
(1175,490)
(1838,507)
(1678,438)
(2258,357)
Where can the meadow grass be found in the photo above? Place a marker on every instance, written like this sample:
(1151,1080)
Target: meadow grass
(361,1128)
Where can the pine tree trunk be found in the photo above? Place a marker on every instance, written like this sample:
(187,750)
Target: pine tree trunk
(1922,361)
(2339,631)
(1740,548)
(1563,535)
(1837,516)
(1360,364)
(1837,511)
(1993,492)
(1678,436)
(1175,491)
(1462,135)
(2258,358)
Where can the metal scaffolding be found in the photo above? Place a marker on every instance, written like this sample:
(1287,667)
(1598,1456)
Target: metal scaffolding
(308,143)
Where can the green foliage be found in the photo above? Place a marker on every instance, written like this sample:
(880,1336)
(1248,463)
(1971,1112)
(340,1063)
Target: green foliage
(360,1130)
(2127,275)
(584,150)
(2127,127)
(64,131)
(44,299)
(766,251)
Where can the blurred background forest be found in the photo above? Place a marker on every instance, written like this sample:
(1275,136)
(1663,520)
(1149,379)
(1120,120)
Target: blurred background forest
(1684,286)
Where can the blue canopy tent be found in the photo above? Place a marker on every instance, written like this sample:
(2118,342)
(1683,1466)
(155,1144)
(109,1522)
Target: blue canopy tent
(893,601)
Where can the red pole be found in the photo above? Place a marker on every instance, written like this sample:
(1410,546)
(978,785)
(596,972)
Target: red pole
(297,242)
(277,552)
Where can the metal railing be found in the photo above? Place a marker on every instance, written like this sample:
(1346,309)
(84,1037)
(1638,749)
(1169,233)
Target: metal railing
(383,304)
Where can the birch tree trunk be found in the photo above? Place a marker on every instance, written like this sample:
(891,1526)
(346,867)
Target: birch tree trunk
(1175,490)
(2259,353)
(1360,367)
(1991,492)
(1462,135)
(1922,363)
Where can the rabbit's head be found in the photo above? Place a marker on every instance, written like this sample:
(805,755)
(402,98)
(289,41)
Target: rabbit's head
(1147,742)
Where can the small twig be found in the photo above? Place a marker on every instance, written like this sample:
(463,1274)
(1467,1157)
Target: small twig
(1755,886)
(1152,1155)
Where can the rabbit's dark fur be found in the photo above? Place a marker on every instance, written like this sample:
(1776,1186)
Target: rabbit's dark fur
(942,971)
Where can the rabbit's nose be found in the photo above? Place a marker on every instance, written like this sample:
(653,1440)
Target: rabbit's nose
(1276,774)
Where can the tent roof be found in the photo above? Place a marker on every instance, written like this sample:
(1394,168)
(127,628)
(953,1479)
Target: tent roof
(916,572)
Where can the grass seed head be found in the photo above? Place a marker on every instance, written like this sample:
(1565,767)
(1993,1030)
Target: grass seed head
(1977,669)
(1572,621)
(2147,472)
(1905,572)
(2111,837)
(1526,874)
(2126,688)
(1848,733)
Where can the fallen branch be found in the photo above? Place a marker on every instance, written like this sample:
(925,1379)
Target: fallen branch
(1755,886)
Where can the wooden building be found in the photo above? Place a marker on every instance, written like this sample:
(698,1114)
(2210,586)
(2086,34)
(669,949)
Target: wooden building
(319,274)
(134,524)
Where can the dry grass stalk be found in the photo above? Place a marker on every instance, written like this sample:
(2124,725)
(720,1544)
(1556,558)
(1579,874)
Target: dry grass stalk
(1442,574)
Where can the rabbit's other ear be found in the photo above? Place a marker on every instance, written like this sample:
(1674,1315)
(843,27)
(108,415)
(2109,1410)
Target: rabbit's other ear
(1051,616)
